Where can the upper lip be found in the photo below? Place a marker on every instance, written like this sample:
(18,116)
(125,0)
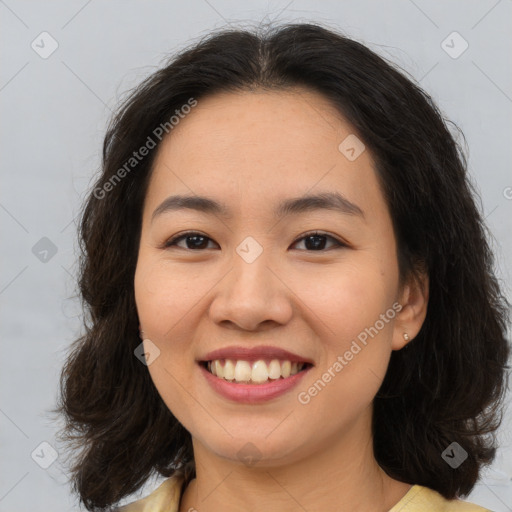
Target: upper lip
(254,354)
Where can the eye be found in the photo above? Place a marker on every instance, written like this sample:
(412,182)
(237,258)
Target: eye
(193,241)
(316,241)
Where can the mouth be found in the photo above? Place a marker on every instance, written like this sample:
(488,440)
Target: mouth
(258,372)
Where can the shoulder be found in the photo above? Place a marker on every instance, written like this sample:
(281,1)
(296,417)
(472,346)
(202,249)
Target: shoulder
(165,498)
(423,499)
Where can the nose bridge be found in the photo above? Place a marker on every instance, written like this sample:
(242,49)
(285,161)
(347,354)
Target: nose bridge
(251,270)
(251,282)
(251,293)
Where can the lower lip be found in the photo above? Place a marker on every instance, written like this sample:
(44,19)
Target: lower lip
(252,393)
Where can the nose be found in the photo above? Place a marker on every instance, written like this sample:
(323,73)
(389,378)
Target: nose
(252,296)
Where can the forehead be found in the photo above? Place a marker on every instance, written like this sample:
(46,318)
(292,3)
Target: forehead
(258,145)
(277,121)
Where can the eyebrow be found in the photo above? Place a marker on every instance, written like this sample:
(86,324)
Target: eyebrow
(293,206)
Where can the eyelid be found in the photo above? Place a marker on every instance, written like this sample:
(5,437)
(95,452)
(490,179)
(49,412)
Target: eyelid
(176,238)
(339,242)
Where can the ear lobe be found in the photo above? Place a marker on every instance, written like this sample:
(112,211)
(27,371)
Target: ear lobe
(414,302)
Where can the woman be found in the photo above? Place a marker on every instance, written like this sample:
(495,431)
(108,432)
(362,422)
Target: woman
(291,296)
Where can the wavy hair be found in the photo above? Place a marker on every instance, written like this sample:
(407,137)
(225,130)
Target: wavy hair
(447,386)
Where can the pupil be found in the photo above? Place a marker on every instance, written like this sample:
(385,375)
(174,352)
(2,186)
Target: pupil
(195,240)
(318,244)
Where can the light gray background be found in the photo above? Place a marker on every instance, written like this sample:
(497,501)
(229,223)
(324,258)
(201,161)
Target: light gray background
(53,117)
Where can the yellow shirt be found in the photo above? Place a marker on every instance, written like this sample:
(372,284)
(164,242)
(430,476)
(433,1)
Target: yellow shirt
(166,498)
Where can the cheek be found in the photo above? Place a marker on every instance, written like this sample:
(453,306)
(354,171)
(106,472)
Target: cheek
(347,299)
(165,298)
(356,345)
(355,318)
(166,294)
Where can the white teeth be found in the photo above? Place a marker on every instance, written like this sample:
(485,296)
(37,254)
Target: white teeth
(242,371)
(219,371)
(229,370)
(274,369)
(286,369)
(258,373)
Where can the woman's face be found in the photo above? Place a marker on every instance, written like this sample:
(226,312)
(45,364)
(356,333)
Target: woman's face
(255,276)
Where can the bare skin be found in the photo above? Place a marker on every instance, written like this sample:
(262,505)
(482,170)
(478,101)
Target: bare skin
(251,151)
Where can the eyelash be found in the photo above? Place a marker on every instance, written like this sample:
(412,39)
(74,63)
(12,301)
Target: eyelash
(172,241)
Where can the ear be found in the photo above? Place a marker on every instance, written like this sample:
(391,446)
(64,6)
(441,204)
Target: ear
(414,301)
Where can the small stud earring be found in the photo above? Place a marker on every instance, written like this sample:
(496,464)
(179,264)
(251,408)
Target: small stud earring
(406,336)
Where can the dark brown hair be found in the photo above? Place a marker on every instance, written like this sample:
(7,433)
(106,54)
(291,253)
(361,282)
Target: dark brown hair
(446,387)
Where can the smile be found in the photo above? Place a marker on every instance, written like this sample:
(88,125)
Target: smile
(256,372)
(247,391)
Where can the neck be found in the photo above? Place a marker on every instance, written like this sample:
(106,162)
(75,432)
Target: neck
(340,474)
